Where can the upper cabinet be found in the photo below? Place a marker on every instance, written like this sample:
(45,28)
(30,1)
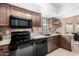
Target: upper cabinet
(4,15)
(26,14)
(6,10)
(16,11)
(20,12)
(36,19)
(54,24)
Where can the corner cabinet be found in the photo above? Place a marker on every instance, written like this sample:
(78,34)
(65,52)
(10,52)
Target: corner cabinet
(52,43)
(65,42)
(4,15)
(36,18)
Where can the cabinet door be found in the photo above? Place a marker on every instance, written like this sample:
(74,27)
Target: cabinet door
(49,45)
(52,44)
(16,11)
(65,42)
(36,18)
(25,14)
(33,20)
(55,43)
(4,15)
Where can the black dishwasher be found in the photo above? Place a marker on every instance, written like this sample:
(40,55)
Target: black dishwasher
(41,47)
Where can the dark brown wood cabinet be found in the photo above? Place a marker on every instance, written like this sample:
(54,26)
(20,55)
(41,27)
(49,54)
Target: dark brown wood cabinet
(36,18)
(4,51)
(4,14)
(52,43)
(65,42)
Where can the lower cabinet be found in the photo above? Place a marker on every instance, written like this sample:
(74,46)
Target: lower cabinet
(4,50)
(52,43)
(65,42)
(44,46)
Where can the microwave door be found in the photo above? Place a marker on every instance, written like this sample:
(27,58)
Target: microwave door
(30,23)
(20,23)
(27,24)
(14,22)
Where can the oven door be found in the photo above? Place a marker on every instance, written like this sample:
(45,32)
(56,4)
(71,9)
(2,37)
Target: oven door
(28,50)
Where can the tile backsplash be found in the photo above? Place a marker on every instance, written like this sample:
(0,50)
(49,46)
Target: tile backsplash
(7,30)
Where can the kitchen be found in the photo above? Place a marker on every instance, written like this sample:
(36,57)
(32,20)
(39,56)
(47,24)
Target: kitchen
(27,31)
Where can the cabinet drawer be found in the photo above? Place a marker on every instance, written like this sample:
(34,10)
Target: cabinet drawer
(4,54)
(4,49)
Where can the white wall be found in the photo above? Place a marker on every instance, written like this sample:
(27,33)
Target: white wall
(29,6)
(69,9)
(69,13)
(46,9)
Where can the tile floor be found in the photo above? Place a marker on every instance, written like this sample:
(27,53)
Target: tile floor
(63,52)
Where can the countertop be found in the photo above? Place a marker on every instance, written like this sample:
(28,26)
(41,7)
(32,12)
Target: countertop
(7,38)
(43,36)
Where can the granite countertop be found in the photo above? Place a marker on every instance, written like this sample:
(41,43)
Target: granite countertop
(67,34)
(4,42)
(42,36)
(7,38)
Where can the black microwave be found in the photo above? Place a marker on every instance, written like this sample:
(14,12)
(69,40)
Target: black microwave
(18,22)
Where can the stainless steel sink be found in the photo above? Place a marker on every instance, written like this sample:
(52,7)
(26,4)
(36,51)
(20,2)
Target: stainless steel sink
(46,34)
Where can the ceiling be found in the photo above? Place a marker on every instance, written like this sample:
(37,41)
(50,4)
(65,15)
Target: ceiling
(59,10)
(60,6)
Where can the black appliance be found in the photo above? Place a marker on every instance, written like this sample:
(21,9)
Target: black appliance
(27,49)
(18,22)
(41,47)
(20,44)
(76,36)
